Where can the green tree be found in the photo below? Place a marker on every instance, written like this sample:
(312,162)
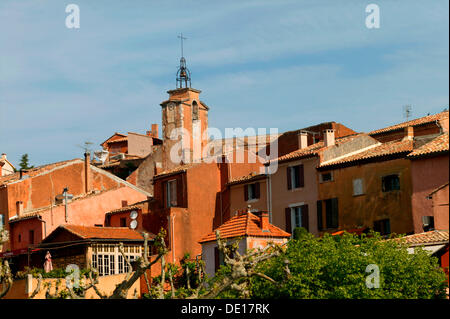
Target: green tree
(24,162)
(335,267)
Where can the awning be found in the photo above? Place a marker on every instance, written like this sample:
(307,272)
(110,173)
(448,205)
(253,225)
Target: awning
(432,248)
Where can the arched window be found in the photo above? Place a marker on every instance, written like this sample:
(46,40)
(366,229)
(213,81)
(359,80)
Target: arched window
(194,111)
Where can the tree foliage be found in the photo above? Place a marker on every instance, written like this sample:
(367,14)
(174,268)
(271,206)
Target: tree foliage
(24,162)
(335,267)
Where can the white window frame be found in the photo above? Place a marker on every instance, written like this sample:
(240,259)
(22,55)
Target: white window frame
(294,210)
(321,177)
(103,253)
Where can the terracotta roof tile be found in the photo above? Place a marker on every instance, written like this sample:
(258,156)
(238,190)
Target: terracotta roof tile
(419,121)
(437,145)
(431,237)
(91,232)
(243,225)
(389,148)
(123,139)
(33,171)
(246,178)
(123,209)
(177,169)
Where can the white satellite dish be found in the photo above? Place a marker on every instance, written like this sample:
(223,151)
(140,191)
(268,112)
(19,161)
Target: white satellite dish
(133,214)
(133,224)
(101,155)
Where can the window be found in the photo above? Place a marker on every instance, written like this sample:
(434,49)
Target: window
(31,235)
(19,239)
(194,111)
(382,226)
(2,221)
(171,193)
(319,215)
(358,188)
(108,260)
(123,222)
(390,183)
(251,191)
(326,177)
(331,213)
(295,176)
(297,217)
(219,259)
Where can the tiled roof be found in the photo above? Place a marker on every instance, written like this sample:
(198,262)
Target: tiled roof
(110,164)
(244,225)
(313,149)
(385,149)
(123,139)
(437,145)
(246,178)
(123,209)
(428,238)
(175,170)
(419,121)
(116,233)
(34,171)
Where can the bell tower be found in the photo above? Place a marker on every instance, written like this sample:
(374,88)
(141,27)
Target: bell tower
(184,120)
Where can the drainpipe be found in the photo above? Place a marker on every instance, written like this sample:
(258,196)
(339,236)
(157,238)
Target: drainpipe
(173,243)
(269,193)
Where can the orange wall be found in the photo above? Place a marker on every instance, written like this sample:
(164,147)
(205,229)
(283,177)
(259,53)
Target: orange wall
(441,208)
(282,197)
(88,211)
(427,175)
(363,210)
(237,199)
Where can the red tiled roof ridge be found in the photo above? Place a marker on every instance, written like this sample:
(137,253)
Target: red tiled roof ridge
(437,145)
(92,232)
(244,224)
(417,121)
(429,237)
(382,149)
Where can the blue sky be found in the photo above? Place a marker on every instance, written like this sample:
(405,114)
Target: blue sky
(285,64)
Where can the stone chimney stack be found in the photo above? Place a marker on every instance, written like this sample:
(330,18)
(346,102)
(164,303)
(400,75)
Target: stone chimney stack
(19,208)
(409,133)
(87,172)
(302,140)
(328,137)
(264,217)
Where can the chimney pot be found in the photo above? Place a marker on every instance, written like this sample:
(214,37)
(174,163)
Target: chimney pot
(329,138)
(19,208)
(155,130)
(87,172)
(302,140)
(264,220)
(409,133)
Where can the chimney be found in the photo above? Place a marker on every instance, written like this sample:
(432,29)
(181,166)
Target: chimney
(87,172)
(302,140)
(19,208)
(264,221)
(3,156)
(409,133)
(124,203)
(328,137)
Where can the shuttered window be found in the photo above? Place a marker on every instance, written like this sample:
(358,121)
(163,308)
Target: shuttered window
(331,212)
(295,176)
(319,215)
(298,217)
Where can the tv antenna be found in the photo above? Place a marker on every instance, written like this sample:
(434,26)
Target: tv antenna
(407,111)
(86,147)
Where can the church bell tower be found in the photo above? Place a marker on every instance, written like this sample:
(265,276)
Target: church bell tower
(184,120)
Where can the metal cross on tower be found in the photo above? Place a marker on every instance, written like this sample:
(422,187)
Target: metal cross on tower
(181,40)
(183,74)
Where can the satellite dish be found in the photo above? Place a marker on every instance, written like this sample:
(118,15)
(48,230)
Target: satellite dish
(133,214)
(133,224)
